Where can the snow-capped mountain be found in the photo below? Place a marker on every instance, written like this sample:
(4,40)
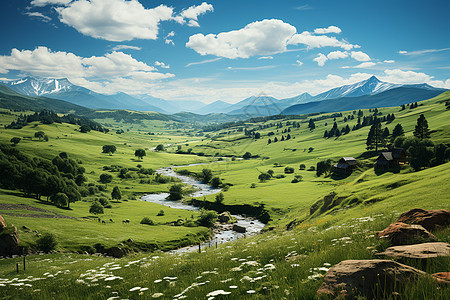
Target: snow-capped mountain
(31,86)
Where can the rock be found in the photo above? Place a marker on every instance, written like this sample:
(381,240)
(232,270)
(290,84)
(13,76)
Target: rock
(429,219)
(240,229)
(224,217)
(9,242)
(442,277)
(403,234)
(115,252)
(2,223)
(425,250)
(351,278)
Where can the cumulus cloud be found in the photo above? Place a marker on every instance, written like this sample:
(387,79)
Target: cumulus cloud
(38,15)
(321,59)
(299,63)
(114,20)
(190,15)
(49,2)
(168,40)
(85,70)
(360,56)
(337,55)
(162,65)
(330,29)
(319,41)
(411,77)
(266,57)
(126,47)
(258,38)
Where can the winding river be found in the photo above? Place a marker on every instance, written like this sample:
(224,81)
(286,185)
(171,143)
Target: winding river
(253,226)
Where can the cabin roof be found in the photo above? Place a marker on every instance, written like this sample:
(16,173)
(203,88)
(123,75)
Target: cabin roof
(386,156)
(349,160)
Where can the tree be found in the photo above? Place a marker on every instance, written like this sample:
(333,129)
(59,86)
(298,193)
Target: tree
(421,154)
(96,208)
(288,170)
(247,155)
(105,178)
(207,218)
(375,136)
(206,175)
(85,128)
(39,135)
(421,131)
(110,149)
(15,140)
(311,124)
(139,153)
(270,172)
(80,179)
(116,194)
(302,166)
(216,182)
(47,242)
(160,147)
(398,131)
(323,167)
(264,176)
(176,192)
(269,141)
(219,198)
(60,200)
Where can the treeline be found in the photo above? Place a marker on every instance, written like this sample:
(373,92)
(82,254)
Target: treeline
(50,117)
(126,116)
(58,179)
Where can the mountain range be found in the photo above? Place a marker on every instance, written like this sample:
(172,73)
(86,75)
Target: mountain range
(369,93)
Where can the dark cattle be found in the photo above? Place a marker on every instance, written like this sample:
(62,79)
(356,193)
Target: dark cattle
(126,221)
(103,222)
(111,220)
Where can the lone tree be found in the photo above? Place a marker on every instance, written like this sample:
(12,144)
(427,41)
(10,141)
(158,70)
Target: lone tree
(60,200)
(421,131)
(323,167)
(311,124)
(105,178)
(40,135)
(116,194)
(247,155)
(219,198)
(264,176)
(110,149)
(15,140)
(96,208)
(160,147)
(216,182)
(206,175)
(375,137)
(140,153)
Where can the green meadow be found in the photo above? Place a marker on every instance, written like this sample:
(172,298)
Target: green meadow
(277,264)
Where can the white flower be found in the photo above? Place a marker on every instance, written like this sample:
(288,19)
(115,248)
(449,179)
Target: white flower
(251,291)
(218,292)
(157,295)
(135,289)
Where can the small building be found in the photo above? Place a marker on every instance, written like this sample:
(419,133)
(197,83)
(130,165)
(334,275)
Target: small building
(391,158)
(345,165)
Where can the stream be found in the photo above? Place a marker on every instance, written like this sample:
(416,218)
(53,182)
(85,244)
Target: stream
(253,226)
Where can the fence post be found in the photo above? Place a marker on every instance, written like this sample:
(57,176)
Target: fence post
(24,262)
(17,267)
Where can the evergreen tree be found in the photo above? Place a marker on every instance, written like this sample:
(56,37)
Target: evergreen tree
(311,124)
(398,131)
(375,137)
(421,131)
(325,135)
(269,141)
(116,194)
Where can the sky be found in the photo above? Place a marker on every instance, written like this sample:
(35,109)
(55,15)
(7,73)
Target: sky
(225,50)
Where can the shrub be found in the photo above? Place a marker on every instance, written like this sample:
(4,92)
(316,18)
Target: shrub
(104,202)
(160,213)
(264,176)
(96,208)
(288,170)
(247,155)
(216,182)
(312,168)
(295,180)
(93,190)
(176,192)
(270,172)
(219,198)
(47,242)
(207,218)
(253,186)
(60,200)
(147,221)
(302,166)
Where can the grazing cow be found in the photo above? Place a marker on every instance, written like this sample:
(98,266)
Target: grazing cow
(126,221)
(111,220)
(99,220)
(103,222)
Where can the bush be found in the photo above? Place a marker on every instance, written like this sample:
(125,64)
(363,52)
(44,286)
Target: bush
(207,218)
(84,192)
(160,213)
(219,198)
(247,155)
(96,208)
(312,168)
(104,202)
(216,182)
(253,186)
(147,221)
(47,242)
(93,190)
(302,166)
(295,180)
(288,170)
(264,176)
(176,192)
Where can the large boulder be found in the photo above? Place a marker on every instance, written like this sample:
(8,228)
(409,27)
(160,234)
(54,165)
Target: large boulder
(2,223)
(240,229)
(224,217)
(429,219)
(419,251)
(404,234)
(9,242)
(351,278)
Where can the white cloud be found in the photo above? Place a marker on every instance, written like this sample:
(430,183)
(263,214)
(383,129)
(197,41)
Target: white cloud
(365,65)
(162,65)
(39,15)
(92,72)
(203,62)
(319,41)
(194,11)
(411,77)
(114,20)
(252,68)
(360,56)
(299,63)
(321,59)
(266,57)
(389,61)
(258,38)
(49,2)
(337,55)
(420,52)
(330,29)
(167,39)
(125,47)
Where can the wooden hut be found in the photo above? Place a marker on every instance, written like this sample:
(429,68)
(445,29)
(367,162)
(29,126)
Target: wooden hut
(345,165)
(391,158)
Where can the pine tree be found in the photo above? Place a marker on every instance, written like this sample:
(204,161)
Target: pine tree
(398,131)
(375,136)
(325,134)
(311,124)
(421,131)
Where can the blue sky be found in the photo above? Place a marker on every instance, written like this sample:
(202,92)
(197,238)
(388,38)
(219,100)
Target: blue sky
(225,50)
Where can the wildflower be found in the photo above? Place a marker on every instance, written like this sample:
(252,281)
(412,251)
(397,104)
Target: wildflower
(251,291)
(157,295)
(217,293)
(233,287)
(135,289)
(157,281)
